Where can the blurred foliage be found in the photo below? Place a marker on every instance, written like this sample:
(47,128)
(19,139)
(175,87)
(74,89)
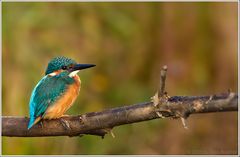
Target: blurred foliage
(128,42)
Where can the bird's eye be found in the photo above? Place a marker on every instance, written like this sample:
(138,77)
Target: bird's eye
(64,67)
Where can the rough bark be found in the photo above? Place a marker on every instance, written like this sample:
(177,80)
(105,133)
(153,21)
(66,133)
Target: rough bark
(100,123)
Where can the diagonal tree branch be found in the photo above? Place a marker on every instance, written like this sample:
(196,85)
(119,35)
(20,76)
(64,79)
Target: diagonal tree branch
(101,123)
(95,123)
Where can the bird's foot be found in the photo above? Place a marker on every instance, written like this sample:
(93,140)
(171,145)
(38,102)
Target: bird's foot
(41,123)
(65,124)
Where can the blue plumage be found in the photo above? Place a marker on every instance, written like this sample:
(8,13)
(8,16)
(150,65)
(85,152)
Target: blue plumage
(52,86)
(47,91)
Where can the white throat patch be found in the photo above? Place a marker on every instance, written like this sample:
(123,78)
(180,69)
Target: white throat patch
(72,74)
(52,74)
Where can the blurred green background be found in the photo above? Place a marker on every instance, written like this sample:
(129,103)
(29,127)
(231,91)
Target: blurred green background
(128,42)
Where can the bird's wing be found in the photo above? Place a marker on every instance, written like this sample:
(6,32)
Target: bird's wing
(45,94)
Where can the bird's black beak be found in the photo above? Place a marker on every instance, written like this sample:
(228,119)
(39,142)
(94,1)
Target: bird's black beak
(82,66)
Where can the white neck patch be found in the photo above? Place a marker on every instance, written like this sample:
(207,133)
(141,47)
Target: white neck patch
(52,74)
(72,74)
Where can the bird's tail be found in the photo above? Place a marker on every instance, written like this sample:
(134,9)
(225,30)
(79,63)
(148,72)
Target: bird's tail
(33,121)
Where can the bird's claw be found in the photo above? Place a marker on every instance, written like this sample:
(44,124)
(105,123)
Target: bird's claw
(41,123)
(65,124)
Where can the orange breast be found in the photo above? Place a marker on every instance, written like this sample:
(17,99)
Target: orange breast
(65,102)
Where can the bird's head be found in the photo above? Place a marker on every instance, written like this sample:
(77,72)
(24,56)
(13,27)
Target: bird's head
(65,65)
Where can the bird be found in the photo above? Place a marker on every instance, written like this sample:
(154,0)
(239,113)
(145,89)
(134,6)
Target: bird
(55,93)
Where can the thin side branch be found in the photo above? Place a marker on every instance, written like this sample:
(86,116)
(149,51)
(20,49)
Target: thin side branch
(163,75)
(100,123)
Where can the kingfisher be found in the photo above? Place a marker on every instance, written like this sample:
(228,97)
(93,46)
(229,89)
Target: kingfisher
(56,91)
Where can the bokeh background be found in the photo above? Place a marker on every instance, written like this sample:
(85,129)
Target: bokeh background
(128,42)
